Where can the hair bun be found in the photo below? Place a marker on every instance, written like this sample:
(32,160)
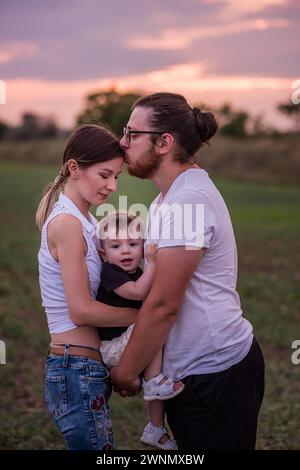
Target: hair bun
(206,124)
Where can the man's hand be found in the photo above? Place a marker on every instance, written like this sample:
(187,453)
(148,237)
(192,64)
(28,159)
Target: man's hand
(123,387)
(175,267)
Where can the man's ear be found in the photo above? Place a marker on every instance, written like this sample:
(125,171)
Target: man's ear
(102,255)
(165,143)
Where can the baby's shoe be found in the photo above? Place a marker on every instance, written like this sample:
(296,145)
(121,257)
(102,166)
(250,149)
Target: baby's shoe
(160,388)
(152,435)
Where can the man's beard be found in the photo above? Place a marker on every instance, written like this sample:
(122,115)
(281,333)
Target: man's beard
(147,164)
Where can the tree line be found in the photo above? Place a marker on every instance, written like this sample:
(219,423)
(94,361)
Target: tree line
(113,109)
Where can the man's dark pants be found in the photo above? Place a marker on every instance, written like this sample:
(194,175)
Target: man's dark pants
(220,410)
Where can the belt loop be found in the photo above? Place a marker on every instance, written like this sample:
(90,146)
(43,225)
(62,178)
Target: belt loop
(66,355)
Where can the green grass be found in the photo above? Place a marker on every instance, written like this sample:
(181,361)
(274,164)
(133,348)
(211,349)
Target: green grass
(267,222)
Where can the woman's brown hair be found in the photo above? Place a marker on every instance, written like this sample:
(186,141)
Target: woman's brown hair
(88,144)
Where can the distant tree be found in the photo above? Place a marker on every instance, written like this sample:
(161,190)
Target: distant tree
(108,107)
(29,128)
(225,111)
(259,128)
(233,123)
(48,127)
(34,126)
(292,111)
(3,129)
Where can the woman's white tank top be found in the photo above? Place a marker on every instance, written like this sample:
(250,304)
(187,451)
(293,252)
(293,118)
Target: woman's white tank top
(51,285)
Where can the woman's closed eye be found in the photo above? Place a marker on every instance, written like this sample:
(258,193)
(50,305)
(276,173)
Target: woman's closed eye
(106,177)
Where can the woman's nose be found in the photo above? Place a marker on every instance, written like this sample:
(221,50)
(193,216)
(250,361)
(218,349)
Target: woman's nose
(112,184)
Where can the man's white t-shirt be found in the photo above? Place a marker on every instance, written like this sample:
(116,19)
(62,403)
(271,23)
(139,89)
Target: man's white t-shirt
(210,333)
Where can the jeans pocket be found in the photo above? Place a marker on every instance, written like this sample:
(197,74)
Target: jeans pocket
(98,372)
(56,395)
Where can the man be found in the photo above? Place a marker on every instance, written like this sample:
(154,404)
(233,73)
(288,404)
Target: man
(193,308)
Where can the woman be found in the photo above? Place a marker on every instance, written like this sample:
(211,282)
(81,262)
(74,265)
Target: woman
(77,382)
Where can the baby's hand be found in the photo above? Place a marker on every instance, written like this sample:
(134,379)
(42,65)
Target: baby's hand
(151,253)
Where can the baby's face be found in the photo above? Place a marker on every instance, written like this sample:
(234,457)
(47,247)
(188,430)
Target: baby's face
(126,253)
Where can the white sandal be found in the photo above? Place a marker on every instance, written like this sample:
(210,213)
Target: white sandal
(152,434)
(154,390)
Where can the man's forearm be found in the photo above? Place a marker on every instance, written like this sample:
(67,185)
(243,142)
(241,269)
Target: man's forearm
(149,335)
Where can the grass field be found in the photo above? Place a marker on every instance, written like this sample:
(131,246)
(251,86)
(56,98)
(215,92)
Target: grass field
(267,224)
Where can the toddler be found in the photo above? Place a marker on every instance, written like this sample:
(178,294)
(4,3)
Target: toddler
(124,284)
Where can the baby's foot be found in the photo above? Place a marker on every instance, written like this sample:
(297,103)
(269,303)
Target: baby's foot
(158,436)
(161,388)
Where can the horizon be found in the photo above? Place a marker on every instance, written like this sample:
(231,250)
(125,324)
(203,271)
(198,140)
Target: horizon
(211,51)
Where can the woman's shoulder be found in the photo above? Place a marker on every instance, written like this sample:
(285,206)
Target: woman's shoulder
(64,225)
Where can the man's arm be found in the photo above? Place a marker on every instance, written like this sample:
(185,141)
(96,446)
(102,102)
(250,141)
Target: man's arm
(174,269)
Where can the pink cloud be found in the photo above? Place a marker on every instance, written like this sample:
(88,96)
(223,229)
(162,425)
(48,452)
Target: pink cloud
(17,49)
(239,7)
(65,100)
(182,38)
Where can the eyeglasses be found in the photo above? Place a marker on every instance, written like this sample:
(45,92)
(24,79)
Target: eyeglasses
(127,133)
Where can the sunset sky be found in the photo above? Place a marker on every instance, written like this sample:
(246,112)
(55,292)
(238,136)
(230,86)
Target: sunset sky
(54,52)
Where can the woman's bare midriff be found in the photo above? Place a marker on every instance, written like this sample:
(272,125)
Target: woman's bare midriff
(81,336)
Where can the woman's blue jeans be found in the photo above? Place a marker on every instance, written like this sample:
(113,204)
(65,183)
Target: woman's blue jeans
(77,392)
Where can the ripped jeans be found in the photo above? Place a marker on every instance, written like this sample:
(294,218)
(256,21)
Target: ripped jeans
(77,392)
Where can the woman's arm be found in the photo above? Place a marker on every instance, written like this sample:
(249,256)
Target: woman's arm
(67,237)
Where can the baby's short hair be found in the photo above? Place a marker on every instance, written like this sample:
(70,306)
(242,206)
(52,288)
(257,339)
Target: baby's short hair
(120,224)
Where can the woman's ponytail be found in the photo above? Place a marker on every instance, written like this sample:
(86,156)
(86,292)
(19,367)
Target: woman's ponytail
(48,199)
